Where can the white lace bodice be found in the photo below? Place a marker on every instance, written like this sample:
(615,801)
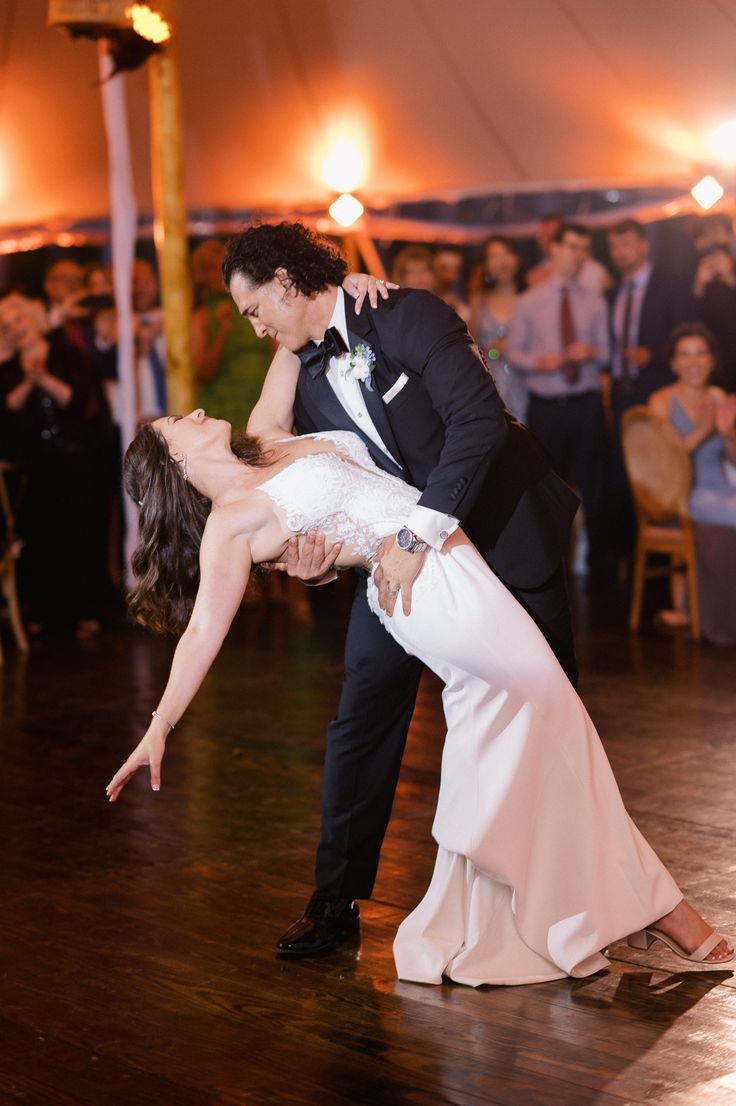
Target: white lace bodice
(342,493)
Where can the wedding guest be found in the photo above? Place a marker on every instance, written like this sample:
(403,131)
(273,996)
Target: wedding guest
(705,417)
(49,391)
(592,275)
(559,341)
(63,286)
(646,304)
(491,311)
(230,360)
(715,288)
(449,283)
(711,231)
(150,342)
(413,267)
(98,279)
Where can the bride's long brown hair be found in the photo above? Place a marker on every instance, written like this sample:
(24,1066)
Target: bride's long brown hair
(171,523)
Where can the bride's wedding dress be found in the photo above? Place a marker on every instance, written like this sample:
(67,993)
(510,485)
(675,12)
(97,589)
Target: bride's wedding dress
(538,865)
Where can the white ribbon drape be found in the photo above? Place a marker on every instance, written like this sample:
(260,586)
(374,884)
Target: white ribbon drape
(123,235)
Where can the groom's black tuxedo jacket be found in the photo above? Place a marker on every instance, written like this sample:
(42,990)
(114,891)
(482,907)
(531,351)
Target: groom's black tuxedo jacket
(449,431)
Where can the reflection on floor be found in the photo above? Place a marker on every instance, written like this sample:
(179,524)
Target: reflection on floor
(136,959)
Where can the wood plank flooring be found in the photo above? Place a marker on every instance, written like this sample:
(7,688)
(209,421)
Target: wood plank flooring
(136,962)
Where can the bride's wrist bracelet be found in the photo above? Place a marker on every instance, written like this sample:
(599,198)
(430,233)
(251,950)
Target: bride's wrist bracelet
(155,714)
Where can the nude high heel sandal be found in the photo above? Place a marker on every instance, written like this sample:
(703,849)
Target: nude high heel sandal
(644,938)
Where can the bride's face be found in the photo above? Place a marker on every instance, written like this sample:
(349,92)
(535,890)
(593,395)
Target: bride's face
(190,434)
(275,310)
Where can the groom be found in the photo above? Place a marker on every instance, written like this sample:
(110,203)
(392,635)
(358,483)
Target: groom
(410,381)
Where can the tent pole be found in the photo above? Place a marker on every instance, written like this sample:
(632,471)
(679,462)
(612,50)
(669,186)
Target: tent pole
(170,226)
(350,249)
(370,255)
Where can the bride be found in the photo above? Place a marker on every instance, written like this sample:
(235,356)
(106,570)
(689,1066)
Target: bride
(538,865)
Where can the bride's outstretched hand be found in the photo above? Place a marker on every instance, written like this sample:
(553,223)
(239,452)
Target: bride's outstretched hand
(360,285)
(149,751)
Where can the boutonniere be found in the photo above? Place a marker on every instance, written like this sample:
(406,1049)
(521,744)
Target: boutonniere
(361,364)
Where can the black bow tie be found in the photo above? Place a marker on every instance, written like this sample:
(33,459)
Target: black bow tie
(315,358)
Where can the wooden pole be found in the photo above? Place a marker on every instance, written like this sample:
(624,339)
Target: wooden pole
(170,227)
(370,255)
(350,250)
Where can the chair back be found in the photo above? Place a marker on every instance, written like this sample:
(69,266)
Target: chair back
(7,520)
(658,466)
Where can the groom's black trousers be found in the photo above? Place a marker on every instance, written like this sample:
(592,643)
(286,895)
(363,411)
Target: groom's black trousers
(365,742)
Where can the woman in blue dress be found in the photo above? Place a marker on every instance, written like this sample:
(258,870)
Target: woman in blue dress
(705,416)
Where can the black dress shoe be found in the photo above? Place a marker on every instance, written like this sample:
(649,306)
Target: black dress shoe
(325,923)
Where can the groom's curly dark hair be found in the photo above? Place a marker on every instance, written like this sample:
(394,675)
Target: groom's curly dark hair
(312,263)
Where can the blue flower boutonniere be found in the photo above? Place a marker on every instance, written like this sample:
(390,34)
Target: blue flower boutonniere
(361,364)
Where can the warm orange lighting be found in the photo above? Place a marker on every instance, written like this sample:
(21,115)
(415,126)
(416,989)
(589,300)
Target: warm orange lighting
(148,24)
(707,192)
(346,209)
(723,142)
(343,166)
(21,245)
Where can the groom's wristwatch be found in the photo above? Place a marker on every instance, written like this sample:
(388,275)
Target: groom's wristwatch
(407,540)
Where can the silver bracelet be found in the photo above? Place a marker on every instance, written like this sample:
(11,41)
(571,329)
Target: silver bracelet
(155,714)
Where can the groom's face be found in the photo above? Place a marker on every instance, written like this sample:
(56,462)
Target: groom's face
(275,310)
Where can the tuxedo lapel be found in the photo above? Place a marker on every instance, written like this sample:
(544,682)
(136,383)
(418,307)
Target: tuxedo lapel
(318,391)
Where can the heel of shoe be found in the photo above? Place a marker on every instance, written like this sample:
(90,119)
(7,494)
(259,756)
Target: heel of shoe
(641,940)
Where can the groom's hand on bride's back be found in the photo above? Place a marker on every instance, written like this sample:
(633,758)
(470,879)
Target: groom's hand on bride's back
(308,560)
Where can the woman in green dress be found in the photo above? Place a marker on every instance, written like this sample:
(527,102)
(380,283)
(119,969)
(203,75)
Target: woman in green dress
(230,361)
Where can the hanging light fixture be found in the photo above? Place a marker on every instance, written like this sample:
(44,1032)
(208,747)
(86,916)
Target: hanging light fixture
(346,209)
(134,31)
(707,192)
(343,168)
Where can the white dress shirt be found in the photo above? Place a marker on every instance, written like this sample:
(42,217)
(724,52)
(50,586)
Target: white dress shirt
(431,526)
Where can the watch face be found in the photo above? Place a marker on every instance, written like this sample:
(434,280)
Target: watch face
(404,538)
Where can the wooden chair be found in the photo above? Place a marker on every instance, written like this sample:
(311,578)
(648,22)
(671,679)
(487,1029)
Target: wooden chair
(660,475)
(8,555)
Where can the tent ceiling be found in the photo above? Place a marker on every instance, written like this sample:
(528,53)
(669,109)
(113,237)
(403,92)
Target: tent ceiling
(452,96)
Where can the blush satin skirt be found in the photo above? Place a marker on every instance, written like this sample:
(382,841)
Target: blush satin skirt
(539,867)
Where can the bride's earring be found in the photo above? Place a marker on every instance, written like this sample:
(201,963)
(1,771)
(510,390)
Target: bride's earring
(183,462)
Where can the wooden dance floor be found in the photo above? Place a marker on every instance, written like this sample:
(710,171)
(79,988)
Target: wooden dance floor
(137,939)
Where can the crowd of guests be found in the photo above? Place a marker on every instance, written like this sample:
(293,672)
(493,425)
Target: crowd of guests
(59,419)
(572,342)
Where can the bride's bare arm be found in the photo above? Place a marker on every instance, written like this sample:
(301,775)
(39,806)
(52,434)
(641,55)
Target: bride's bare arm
(274,412)
(225,563)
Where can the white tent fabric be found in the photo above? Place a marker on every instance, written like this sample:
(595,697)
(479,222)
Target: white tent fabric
(451,96)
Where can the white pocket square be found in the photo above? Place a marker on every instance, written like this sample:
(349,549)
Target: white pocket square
(395,388)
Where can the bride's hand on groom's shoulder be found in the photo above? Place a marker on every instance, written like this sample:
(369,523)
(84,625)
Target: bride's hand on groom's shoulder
(396,572)
(360,285)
